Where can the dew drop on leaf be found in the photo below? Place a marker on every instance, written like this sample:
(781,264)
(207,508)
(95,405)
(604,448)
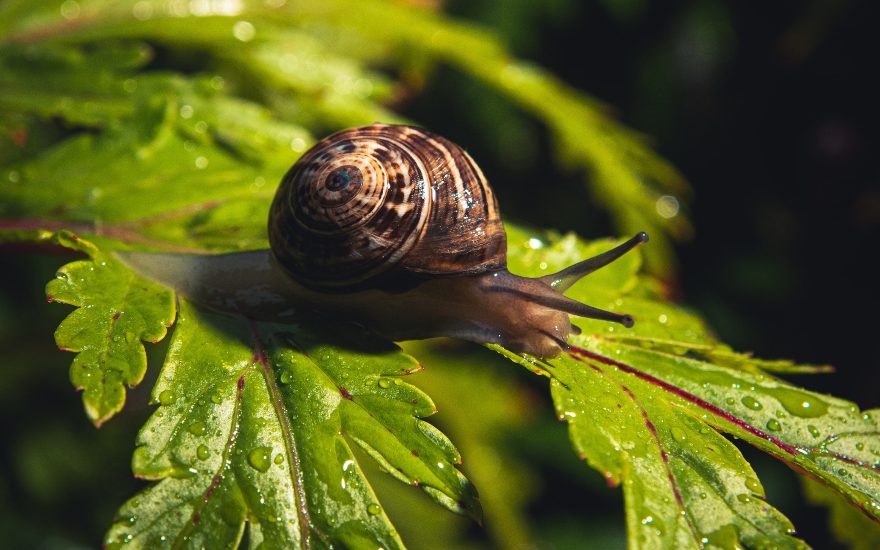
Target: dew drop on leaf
(216,398)
(286,377)
(798,403)
(384,383)
(744,498)
(197,428)
(753,485)
(203,452)
(752,403)
(260,458)
(814,431)
(774,425)
(679,435)
(279,458)
(726,537)
(373,509)
(166,397)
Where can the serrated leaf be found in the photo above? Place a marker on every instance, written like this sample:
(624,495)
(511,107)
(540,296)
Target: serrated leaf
(626,176)
(137,182)
(117,312)
(644,404)
(256,423)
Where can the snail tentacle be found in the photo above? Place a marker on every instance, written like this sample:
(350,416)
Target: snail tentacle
(564,279)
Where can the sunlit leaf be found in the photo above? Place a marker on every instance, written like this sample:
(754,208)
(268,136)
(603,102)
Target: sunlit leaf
(645,407)
(256,423)
(117,312)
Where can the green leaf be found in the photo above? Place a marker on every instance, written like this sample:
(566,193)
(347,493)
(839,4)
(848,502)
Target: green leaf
(848,524)
(645,407)
(256,423)
(338,38)
(475,386)
(136,183)
(117,312)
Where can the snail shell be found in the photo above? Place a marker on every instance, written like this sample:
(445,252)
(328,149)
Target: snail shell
(397,229)
(369,203)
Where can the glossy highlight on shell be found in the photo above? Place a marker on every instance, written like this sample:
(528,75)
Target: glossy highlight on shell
(367,205)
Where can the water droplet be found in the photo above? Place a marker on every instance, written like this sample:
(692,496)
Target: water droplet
(703,495)
(860,446)
(647,520)
(216,398)
(753,485)
(244,31)
(798,403)
(774,425)
(203,452)
(373,509)
(279,459)
(814,431)
(679,435)
(385,383)
(535,243)
(286,377)
(166,397)
(843,471)
(752,403)
(667,206)
(744,498)
(70,9)
(259,458)
(298,145)
(197,428)
(201,162)
(142,11)
(730,401)
(663,318)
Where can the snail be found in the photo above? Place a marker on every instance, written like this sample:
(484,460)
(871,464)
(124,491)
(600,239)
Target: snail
(397,229)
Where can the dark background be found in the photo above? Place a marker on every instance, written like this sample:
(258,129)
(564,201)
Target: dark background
(769,109)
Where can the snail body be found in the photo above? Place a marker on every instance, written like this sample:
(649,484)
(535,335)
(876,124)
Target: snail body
(395,228)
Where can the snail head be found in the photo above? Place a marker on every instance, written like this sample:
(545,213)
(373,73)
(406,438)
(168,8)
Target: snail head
(537,311)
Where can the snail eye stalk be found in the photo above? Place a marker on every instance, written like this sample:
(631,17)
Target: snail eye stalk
(562,281)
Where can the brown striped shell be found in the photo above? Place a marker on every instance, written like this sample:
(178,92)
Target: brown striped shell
(368,204)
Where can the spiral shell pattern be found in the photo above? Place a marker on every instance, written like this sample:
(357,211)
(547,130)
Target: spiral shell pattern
(370,202)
